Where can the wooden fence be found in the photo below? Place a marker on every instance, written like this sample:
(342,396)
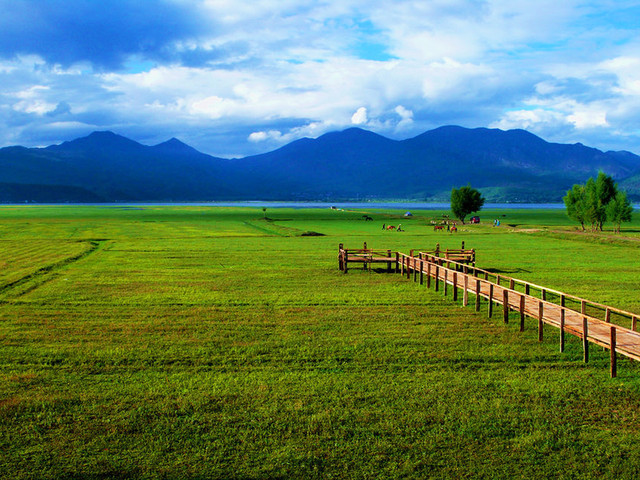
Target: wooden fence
(366,257)
(590,321)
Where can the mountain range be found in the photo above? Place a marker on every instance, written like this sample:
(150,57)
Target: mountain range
(353,164)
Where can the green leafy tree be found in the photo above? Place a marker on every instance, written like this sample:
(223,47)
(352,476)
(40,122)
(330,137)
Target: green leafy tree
(591,203)
(465,200)
(588,203)
(606,191)
(619,210)
(575,200)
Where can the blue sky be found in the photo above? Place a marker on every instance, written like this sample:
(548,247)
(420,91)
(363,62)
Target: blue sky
(235,78)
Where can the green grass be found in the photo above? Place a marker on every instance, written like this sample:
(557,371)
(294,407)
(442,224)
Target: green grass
(195,342)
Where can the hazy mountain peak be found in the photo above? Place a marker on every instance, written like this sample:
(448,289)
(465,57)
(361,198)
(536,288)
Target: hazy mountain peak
(98,140)
(173,145)
(513,165)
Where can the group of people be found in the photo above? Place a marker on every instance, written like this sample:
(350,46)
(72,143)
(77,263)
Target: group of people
(496,223)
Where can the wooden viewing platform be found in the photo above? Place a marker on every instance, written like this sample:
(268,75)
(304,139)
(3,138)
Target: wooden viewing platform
(365,256)
(590,321)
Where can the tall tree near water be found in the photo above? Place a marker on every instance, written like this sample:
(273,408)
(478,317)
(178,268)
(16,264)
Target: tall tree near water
(465,200)
(606,190)
(590,203)
(619,210)
(575,202)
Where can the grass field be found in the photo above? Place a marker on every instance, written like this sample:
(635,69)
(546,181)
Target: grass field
(200,342)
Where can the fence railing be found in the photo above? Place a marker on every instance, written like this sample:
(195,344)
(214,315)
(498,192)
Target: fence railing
(455,270)
(490,286)
(366,257)
(597,310)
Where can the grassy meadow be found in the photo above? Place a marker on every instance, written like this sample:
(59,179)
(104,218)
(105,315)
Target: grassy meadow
(212,342)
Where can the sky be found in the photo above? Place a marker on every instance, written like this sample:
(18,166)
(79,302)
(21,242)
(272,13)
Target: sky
(239,77)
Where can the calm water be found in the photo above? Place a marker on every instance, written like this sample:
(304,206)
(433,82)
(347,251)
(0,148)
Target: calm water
(347,205)
(350,205)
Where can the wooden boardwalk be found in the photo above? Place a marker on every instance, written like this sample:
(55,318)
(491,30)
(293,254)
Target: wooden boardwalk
(592,322)
(446,274)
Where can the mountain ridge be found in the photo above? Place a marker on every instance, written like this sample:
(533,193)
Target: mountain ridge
(352,164)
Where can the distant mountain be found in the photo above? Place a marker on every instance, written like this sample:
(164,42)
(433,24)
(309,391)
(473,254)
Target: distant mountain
(510,166)
(353,164)
(116,168)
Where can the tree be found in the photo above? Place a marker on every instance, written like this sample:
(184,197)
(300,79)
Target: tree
(591,203)
(606,190)
(575,203)
(588,203)
(464,201)
(619,210)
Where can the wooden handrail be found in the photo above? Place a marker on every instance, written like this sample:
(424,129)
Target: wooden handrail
(578,323)
(574,298)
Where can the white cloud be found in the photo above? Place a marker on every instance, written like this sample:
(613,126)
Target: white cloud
(360,116)
(406,117)
(262,136)
(279,70)
(588,119)
(528,119)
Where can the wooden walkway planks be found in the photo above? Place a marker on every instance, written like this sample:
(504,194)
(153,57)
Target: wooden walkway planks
(614,337)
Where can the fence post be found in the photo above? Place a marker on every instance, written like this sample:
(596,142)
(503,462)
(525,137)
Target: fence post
(540,322)
(505,304)
(429,275)
(544,294)
(421,271)
(455,286)
(465,295)
(477,295)
(446,284)
(522,313)
(397,262)
(498,280)
(607,315)
(634,321)
(527,289)
(346,261)
(512,284)
(614,363)
(437,276)
(490,308)
(562,329)
(389,263)
(583,307)
(585,341)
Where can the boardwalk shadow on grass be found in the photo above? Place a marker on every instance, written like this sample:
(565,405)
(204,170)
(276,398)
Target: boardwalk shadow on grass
(511,271)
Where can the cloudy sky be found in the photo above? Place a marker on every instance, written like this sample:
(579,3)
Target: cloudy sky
(236,77)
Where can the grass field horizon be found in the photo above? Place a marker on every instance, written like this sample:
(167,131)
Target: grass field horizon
(212,342)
